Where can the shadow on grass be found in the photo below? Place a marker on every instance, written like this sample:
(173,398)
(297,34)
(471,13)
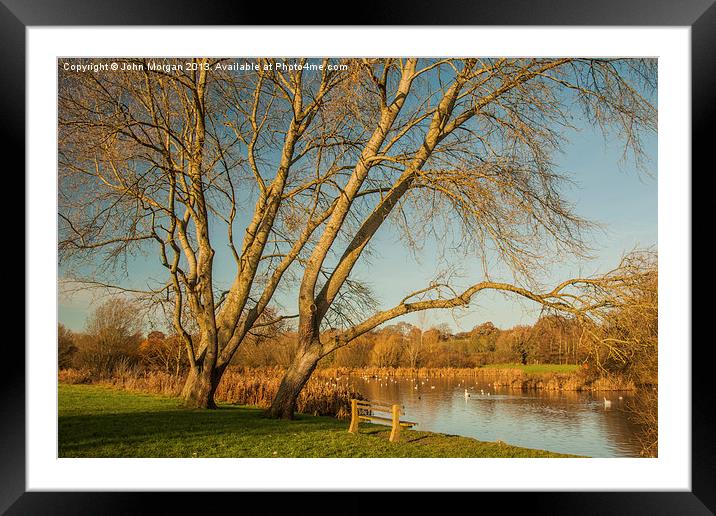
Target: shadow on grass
(227,432)
(169,424)
(416,439)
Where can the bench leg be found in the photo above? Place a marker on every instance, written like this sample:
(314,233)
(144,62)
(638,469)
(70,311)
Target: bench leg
(395,432)
(354,417)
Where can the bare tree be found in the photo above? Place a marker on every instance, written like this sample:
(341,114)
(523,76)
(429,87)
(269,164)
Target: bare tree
(161,156)
(625,341)
(386,351)
(66,346)
(113,331)
(472,147)
(413,349)
(162,352)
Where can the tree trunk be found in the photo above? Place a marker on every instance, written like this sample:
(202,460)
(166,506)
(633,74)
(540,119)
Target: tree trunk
(300,370)
(200,387)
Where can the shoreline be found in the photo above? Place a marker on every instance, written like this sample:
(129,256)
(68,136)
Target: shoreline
(96,421)
(329,390)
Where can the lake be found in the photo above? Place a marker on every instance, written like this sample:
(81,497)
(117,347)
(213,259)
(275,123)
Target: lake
(559,421)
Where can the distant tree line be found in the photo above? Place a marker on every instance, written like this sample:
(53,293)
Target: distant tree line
(623,340)
(109,341)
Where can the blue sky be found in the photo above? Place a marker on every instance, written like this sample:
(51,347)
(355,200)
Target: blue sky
(612,193)
(622,199)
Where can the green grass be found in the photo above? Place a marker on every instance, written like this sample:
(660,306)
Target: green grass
(537,368)
(99,421)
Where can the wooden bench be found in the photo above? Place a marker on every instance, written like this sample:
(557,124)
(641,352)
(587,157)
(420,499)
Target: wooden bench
(362,410)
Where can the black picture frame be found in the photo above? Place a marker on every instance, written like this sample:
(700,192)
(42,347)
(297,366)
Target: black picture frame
(17,15)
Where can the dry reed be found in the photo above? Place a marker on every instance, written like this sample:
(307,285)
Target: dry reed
(322,395)
(512,378)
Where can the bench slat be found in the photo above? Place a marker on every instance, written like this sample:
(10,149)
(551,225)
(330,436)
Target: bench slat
(402,413)
(375,404)
(376,418)
(387,420)
(379,409)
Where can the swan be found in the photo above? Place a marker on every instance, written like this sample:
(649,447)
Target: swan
(607,403)
(467,395)
(621,398)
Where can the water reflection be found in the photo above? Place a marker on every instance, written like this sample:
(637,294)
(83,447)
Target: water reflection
(567,422)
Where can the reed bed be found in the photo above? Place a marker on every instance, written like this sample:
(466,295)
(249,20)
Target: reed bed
(322,396)
(511,378)
(406,372)
(562,382)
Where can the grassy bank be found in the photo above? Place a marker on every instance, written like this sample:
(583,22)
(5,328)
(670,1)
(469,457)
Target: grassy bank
(323,395)
(99,421)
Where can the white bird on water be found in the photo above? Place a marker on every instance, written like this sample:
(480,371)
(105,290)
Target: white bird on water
(467,394)
(607,403)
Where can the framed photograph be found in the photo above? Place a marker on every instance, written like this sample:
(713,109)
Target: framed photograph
(378,257)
